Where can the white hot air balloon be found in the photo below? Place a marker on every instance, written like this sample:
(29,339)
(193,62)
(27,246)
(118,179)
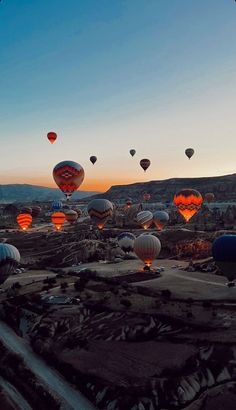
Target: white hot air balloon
(145,219)
(126,241)
(160,219)
(147,247)
(9,259)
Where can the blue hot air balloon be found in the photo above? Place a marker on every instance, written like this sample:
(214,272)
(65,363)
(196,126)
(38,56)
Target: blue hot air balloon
(9,259)
(224,254)
(57,206)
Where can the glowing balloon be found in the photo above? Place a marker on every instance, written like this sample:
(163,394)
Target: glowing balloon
(126,241)
(52,136)
(146,196)
(189,152)
(224,254)
(100,210)
(24,221)
(9,259)
(93,159)
(71,216)
(145,219)
(68,176)
(58,219)
(145,164)
(209,197)
(57,206)
(188,202)
(160,219)
(129,202)
(132,152)
(147,248)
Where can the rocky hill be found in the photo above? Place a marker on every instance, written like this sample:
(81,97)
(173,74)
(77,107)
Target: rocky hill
(28,193)
(224,188)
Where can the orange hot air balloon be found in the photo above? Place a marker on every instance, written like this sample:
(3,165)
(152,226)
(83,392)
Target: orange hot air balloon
(188,202)
(145,164)
(71,216)
(58,219)
(52,136)
(68,176)
(209,197)
(24,221)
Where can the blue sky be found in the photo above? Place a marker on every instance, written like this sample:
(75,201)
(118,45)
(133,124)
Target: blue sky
(110,75)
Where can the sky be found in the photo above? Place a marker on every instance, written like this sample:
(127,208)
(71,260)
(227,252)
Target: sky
(110,75)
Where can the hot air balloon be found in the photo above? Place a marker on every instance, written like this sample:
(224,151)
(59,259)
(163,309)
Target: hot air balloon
(146,196)
(57,206)
(99,211)
(128,202)
(58,219)
(93,159)
(145,164)
(189,152)
(26,210)
(79,212)
(209,197)
(147,248)
(71,216)
(9,259)
(68,176)
(224,254)
(52,136)
(188,202)
(24,221)
(132,152)
(36,211)
(126,241)
(145,219)
(160,219)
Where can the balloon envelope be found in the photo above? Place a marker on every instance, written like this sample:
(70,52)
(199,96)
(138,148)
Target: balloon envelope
(147,248)
(71,216)
(132,152)
(24,221)
(68,176)
(52,136)
(189,152)
(57,205)
(145,163)
(209,197)
(93,159)
(188,202)
(224,254)
(126,241)
(99,211)
(160,219)
(36,211)
(145,219)
(9,259)
(58,219)
(146,196)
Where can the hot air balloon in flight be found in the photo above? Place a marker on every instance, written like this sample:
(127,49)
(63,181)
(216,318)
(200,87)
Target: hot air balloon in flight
(160,219)
(93,159)
(126,241)
(68,176)
(36,211)
(147,248)
(52,136)
(224,254)
(100,210)
(58,219)
(57,206)
(145,219)
(71,216)
(146,196)
(188,202)
(128,202)
(24,221)
(145,164)
(132,152)
(9,259)
(209,197)
(189,152)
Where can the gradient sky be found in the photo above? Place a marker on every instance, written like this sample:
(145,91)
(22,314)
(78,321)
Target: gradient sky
(110,75)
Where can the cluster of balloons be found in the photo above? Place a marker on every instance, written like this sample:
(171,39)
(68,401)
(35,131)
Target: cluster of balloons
(146,218)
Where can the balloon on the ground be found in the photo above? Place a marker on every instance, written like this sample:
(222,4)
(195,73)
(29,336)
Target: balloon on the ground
(79,212)
(71,216)
(128,202)
(52,136)
(36,211)
(132,152)
(147,248)
(189,152)
(9,259)
(26,210)
(24,221)
(145,219)
(188,202)
(93,159)
(126,241)
(160,219)
(58,219)
(57,205)
(68,176)
(146,196)
(224,254)
(145,163)
(209,197)
(100,210)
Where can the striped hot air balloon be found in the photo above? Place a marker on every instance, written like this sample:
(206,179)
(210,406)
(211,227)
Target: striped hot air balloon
(24,221)
(52,136)
(71,216)
(160,219)
(145,219)
(9,259)
(188,202)
(100,210)
(147,248)
(126,241)
(68,176)
(58,219)
(36,211)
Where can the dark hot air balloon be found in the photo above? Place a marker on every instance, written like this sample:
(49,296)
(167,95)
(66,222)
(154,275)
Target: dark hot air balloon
(145,164)
(189,152)
(9,259)
(52,136)
(224,254)
(93,159)
(132,152)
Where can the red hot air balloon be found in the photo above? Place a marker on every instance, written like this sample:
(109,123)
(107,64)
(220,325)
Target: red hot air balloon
(188,202)
(52,136)
(58,219)
(24,221)
(145,164)
(68,176)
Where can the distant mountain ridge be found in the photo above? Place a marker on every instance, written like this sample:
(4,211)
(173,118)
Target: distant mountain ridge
(28,193)
(223,187)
